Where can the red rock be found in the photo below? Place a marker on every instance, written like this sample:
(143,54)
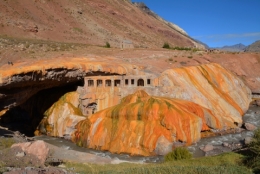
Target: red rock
(37,148)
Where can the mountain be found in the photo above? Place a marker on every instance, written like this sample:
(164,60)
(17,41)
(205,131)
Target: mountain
(92,22)
(233,48)
(254,47)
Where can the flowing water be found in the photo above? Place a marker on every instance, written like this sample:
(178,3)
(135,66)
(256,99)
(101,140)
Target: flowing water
(251,116)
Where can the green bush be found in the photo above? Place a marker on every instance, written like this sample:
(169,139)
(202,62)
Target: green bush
(179,153)
(166,45)
(254,146)
(253,159)
(107,45)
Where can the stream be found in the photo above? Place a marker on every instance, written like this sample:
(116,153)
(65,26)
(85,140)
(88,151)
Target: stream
(252,116)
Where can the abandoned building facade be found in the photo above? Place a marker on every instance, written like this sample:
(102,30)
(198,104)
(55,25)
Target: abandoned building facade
(101,92)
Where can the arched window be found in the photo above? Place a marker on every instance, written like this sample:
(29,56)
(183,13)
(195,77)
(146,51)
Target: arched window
(108,82)
(117,82)
(90,82)
(140,82)
(99,83)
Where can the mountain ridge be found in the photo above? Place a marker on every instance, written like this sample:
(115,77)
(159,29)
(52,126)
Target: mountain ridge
(254,47)
(233,48)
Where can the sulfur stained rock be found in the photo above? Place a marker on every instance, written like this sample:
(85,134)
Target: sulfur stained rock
(182,103)
(211,86)
(60,119)
(34,76)
(144,125)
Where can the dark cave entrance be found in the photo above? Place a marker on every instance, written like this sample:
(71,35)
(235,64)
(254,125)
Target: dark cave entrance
(26,117)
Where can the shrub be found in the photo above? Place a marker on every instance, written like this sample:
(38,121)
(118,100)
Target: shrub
(253,159)
(179,153)
(170,59)
(107,45)
(78,30)
(166,45)
(6,143)
(190,57)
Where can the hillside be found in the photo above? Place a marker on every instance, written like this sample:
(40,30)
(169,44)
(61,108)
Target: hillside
(254,47)
(89,22)
(233,48)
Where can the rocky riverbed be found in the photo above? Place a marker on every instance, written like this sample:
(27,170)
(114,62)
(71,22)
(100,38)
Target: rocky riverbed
(60,150)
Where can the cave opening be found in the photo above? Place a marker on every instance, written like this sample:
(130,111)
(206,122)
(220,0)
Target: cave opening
(26,117)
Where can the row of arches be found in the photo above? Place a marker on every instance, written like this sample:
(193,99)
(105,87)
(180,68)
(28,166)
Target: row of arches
(117,82)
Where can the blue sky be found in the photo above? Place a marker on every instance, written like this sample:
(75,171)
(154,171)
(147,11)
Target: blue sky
(214,22)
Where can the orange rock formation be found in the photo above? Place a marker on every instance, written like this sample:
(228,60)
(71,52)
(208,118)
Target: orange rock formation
(61,118)
(211,86)
(140,122)
(182,103)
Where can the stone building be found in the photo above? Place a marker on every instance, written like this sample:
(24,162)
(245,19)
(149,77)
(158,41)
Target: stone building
(100,92)
(126,44)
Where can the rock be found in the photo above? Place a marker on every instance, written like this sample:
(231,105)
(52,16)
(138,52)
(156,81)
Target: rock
(20,154)
(203,85)
(70,69)
(142,124)
(207,148)
(257,102)
(225,144)
(33,28)
(250,126)
(37,148)
(63,113)
(163,146)
(248,140)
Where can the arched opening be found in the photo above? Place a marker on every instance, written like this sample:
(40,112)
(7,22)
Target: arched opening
(140,82)
(117,83)
(26,117)
(90,109)
(90,83)
(108,82)
(99,83)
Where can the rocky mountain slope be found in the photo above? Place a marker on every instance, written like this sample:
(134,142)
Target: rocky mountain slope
(90,22)
(254,47)
(233,48)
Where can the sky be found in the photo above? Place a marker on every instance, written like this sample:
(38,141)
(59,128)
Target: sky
(214,22)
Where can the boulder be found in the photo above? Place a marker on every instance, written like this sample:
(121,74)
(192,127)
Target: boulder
(250,126)
(37,148)
(207,148)
(163,146)
(225,144)
(20,154)
(248,140)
